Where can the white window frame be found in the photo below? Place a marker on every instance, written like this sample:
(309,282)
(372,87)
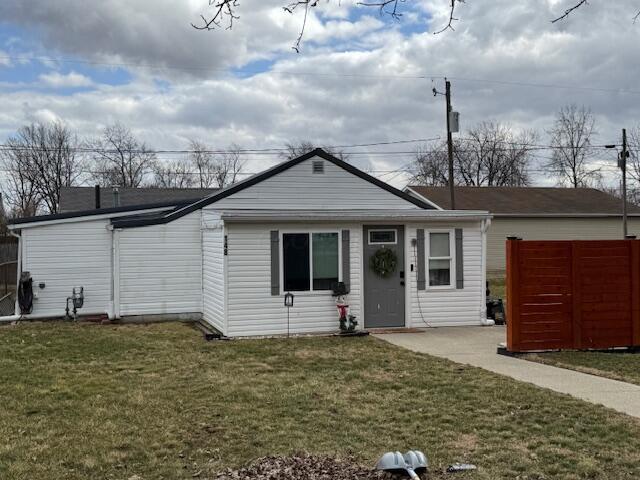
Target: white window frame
(451,258)
(309,232)
(394,230)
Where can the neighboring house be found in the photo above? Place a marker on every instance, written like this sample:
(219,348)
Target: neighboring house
(229,258)
(75,199)
(534,213)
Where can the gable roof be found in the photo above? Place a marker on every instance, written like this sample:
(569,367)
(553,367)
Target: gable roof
(177,209)
(96,212)
(529,201)
(74,199)
(237,187)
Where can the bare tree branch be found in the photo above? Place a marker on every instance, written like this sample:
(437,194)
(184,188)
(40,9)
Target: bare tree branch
(568,11)
(571,137)
(491,154)
(174,174)
(451,18)
(121,159)
(383,4)
(226,9)
(291,8)
(222,9)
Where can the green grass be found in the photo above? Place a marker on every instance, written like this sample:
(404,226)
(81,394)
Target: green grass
(107,402)
(618,366)
(497,285)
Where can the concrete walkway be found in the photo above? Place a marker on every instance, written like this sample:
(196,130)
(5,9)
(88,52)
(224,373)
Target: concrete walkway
(477,346)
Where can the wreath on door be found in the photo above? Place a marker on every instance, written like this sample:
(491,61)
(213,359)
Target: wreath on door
(383,262)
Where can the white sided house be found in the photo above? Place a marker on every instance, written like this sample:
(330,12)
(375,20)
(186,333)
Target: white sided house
(228,259)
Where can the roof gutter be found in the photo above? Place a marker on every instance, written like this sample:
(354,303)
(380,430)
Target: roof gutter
(563,215)
(102,214)
(394,216)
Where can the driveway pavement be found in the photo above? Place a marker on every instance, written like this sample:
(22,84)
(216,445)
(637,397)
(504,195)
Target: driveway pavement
(477,346)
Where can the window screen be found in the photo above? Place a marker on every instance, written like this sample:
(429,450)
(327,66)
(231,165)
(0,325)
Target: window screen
(295,258)
(325,260)
(439,259)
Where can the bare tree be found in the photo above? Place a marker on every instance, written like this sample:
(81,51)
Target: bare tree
(572,148)
(490,155)
(296,149)
(430,166)
(493,155)
(202,160)
(215,169)
(120,159)
(227,166)
(633,165)
(175,174)
(40,159)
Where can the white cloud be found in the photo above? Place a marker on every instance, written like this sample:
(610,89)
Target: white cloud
(501,40)
(5,61)
(68,80)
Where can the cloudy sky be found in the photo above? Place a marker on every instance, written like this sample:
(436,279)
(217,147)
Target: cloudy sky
(359,78)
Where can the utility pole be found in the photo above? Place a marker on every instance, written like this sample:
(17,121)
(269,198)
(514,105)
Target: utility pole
(450,144)
(623,165)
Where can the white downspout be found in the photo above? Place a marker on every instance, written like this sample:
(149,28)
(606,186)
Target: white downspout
(116,274)
(486,223)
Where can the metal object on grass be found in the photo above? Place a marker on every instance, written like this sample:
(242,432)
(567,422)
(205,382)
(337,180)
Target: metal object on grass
(461,467)
(412,463)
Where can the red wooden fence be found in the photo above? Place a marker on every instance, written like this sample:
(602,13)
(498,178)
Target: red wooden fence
(572,294)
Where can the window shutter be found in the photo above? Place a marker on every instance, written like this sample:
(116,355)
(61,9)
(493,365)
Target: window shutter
(459,260)
(275,262)
(346,260)
(421,267)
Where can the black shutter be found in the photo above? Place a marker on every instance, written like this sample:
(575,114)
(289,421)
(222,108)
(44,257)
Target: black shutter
(275,262)
(346,260)
(459,260)
(421,267)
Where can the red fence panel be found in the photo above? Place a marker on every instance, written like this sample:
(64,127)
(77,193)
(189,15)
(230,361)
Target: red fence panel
(572,294)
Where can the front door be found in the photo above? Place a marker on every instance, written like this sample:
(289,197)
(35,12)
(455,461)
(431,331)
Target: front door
(384,295)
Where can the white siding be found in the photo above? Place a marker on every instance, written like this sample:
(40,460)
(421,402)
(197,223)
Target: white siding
(448,307)
(213,276)
(67,255)
(550,229)
(299,188)
(252,310)
(161,268)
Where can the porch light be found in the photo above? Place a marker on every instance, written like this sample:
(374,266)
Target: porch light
(288,299)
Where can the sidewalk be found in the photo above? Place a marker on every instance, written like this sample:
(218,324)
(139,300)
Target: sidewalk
(477,346)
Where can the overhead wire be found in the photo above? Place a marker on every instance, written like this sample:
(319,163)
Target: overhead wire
(248,72)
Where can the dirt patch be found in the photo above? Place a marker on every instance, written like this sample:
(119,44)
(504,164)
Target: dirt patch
(467,443)
(304,467)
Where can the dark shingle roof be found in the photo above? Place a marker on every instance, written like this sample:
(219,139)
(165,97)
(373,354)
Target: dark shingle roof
(528,200)
(73,199)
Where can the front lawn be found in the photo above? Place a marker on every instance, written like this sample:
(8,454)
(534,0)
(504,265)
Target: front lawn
(150,402)
(618,366)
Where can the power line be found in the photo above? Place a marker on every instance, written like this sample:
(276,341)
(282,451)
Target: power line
(255,151)
(417,76)
(279,151)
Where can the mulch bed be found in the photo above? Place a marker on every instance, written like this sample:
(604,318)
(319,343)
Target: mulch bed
(304,467)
